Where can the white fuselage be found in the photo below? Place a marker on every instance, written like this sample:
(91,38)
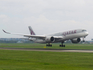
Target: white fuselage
(67,35)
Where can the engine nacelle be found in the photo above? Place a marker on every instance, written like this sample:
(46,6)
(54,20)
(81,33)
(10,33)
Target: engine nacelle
(76,40)
(49,39)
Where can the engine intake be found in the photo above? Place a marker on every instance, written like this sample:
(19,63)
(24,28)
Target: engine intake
(49,39)
(76,40)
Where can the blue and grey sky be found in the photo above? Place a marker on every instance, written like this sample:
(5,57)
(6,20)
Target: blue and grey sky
(45,16)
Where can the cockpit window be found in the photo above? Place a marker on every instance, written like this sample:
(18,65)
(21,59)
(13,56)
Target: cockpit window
(83,30)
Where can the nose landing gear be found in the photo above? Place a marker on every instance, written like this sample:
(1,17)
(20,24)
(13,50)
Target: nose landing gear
(83,39)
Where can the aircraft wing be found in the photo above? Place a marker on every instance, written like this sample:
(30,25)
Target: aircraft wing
(11,33)
(35,36)
(58,38)
(25,35)
(43,36)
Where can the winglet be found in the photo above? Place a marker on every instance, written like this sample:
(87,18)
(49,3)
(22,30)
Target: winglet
(6,32)
(31,30)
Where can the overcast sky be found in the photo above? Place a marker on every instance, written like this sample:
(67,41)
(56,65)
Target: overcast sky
(45,16)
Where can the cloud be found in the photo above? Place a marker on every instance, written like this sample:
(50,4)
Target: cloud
(45,16)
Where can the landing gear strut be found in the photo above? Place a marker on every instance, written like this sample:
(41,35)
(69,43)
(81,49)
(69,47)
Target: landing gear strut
(50,45)
(83,39)
(62,44)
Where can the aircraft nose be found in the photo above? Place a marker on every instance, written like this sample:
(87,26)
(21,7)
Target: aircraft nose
(86,33)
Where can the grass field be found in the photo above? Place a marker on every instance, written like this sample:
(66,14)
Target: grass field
(32,60)
(37,60)
(56,46)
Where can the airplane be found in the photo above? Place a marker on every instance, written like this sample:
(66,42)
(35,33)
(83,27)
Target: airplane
(73,35)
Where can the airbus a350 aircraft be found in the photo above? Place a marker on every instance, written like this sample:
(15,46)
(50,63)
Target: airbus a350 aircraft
(73,35)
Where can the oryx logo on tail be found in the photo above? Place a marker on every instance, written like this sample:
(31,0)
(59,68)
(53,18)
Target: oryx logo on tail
(31,30)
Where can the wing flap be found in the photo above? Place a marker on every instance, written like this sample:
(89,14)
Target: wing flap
(35,36)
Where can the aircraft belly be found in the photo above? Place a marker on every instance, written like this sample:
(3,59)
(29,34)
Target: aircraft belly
(40,41)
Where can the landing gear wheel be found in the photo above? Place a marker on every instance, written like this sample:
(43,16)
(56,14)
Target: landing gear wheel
(62,44)
(83,40)
(49,45)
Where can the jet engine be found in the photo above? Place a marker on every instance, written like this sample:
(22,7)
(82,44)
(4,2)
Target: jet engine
(76,40)
(49,39)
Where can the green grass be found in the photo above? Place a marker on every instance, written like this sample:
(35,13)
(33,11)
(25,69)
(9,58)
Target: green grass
(55,46)
(32,60)
(37,60)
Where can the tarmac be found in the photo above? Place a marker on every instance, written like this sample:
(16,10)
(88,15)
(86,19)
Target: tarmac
(47,49)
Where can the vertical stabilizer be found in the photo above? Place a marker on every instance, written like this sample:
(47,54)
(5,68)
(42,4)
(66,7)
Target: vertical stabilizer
(31,30)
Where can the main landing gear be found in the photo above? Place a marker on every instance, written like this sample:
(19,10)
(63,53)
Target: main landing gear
(62,44)
(49,45)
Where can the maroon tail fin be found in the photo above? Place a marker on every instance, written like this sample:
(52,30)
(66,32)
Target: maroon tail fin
(31,30)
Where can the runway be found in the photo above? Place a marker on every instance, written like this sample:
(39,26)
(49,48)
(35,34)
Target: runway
(47,49)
